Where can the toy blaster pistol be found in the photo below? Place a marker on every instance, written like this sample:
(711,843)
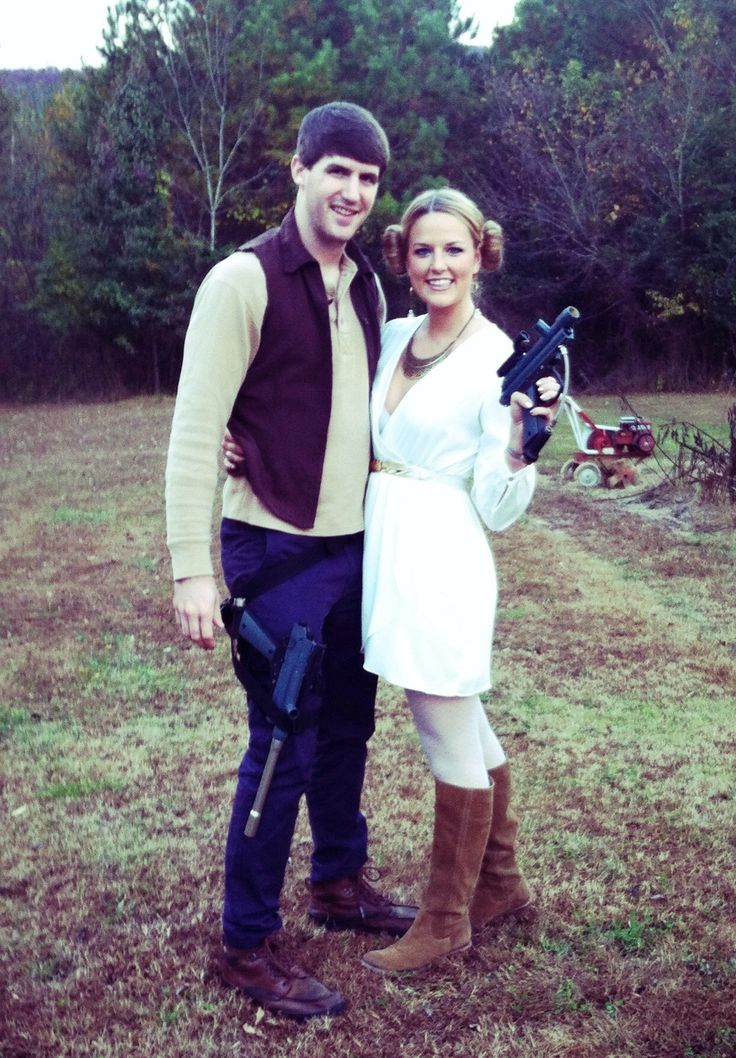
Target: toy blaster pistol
(528,363)
(291,667)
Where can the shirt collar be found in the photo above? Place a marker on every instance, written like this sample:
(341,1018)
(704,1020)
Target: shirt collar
(295,255)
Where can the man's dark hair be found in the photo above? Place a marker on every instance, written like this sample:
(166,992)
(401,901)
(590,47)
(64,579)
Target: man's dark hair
(342,128)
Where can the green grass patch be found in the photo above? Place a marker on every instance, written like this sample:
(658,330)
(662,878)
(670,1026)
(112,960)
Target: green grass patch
(554,945)
(77,516)
(637,935)
(568,998)
(73,789)
(11,719)
(147,565)
(513,613)
(125,671)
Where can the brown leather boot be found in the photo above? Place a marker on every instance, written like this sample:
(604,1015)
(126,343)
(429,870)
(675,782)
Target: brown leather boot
(352,903)
(501,889)
(461,822)
(258,973)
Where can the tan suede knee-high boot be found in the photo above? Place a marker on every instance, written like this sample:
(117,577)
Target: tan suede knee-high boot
(501,889)
(462,819)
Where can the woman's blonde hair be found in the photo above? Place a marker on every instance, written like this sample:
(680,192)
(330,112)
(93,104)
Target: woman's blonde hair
(487,235)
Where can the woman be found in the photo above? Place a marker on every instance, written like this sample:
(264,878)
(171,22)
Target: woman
(429,582)
(429,588)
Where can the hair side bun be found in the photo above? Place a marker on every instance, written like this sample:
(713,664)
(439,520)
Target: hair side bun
(393,250)
(491,246)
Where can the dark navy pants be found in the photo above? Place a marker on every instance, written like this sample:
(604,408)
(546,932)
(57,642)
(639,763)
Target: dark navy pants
(326,762)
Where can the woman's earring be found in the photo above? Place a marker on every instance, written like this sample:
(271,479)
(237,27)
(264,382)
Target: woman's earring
(411,302)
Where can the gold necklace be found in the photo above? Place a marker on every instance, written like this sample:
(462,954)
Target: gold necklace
(415,367)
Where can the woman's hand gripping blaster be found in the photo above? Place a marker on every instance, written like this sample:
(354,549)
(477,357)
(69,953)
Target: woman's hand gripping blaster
(528,364)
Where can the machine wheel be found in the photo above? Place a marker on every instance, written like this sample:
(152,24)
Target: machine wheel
(645,442)
(597,439)
(588,475)
(568,470)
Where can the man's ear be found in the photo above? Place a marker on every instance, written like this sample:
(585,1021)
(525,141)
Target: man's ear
(297,170)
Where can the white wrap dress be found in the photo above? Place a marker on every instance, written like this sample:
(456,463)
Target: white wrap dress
(429,584)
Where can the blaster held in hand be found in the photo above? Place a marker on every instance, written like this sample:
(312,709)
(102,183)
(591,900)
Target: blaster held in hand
(527,365)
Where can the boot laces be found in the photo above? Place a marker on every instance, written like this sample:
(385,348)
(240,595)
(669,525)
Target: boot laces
(277,965)
(365,877)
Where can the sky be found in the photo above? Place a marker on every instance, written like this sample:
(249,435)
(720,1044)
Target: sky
(42,33)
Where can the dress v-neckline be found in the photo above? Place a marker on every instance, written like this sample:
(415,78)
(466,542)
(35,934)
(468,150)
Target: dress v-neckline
(392,374)
(383,422)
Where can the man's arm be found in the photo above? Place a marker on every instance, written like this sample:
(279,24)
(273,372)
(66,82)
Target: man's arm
(221,341)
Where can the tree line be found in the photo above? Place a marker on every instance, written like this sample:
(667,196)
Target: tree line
(602,137)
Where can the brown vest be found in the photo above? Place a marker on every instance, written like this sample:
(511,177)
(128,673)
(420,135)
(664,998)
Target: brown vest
(282,412)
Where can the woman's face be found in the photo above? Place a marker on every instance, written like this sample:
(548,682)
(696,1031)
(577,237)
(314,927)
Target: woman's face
(442,260)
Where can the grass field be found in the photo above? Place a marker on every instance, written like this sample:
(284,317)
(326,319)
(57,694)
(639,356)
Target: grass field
(615,668)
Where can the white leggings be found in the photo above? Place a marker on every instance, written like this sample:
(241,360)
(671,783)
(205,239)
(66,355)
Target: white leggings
(457,739)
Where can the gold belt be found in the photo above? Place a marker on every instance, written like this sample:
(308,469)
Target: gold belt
(386,466)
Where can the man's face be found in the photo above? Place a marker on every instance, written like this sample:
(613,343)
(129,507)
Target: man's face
(334,198)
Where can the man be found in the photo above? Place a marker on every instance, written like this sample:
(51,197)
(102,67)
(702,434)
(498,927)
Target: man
(281,348)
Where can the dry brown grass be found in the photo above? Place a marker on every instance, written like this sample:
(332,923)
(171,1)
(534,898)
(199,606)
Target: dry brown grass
(615,684)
